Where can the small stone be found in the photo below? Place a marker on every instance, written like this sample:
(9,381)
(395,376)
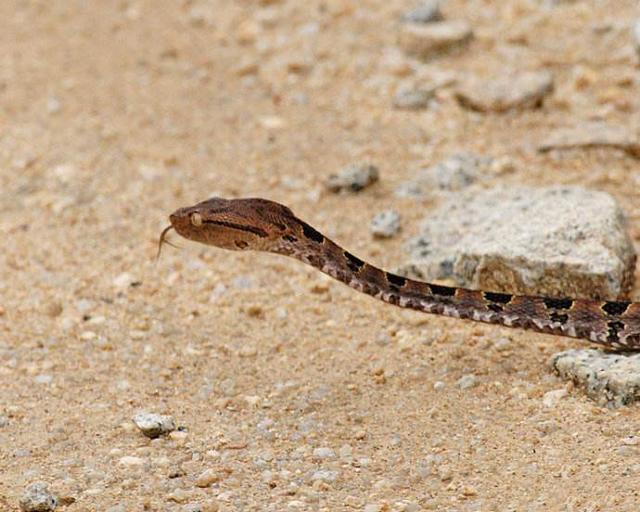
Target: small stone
(206,478)
(610,379)
(513,91)
(590,135)
(360,434)
(385,224)
(428,40)
(53,105)
(123,280)
(154,425)
(467,381)
(43,379)
(4,421)
(179,496)
(411,98)
(38,498)
(426,12)
(325,475)
(551,398)
(130,460)
(353,178)
(323,453)
(438,385)
(372,507)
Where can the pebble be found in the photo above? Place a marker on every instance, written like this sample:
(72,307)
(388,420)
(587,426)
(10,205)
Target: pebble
(409,97)
(325,475)
(385,224)
(594,134)
(154,425)
(523,90)
(4,421)
(123,280)
(427,40)
(467,381)
(43,379)
(454,173)
(130,460)
(324,453)
(551,398)
(426,12)
(438,385)
(353,178)
(38,498)
(611,379)
(206,478)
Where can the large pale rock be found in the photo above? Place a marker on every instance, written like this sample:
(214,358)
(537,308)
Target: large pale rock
(512,91)
(426,40)
(593,135)
(611,379)
(557,241)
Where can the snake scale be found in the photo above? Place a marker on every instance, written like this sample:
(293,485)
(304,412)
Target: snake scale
(263,225)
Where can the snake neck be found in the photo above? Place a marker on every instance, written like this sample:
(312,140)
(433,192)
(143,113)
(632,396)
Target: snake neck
(610,323)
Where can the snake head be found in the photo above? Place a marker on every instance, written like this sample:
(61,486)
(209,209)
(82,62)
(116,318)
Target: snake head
(234,224)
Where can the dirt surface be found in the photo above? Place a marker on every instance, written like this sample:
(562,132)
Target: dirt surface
(295,392)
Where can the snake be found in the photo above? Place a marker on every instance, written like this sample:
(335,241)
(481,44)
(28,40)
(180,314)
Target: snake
(256,224)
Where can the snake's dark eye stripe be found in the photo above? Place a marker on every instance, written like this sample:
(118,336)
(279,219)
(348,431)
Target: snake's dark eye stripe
(353,262)
(615,307)
(395,279)
(445,291)
(312,234)
(552,303)
(501,298)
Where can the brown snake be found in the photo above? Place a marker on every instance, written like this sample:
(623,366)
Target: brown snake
(263,225)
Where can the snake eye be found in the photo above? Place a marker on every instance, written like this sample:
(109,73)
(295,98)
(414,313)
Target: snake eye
(196,219)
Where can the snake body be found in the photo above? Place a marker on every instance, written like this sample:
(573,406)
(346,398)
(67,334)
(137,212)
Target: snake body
(263,225)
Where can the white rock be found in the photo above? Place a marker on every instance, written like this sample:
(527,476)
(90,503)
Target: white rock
(551,398)
(154,425)
(323,453)
(426,40)
(385,224)
(610,379)
(575,243)
(467,381)
(38,498)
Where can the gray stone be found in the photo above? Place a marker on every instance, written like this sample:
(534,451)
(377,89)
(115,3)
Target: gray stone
(513,91)
(38,498)
(467,381)
(593,135)
(154,425)
(426,12)
(413,98)
(385,224)
(556,241)
(353,178)
(453,173)
(611,379)
(425,41)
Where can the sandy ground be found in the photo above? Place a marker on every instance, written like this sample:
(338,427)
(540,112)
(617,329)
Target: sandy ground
(113,114)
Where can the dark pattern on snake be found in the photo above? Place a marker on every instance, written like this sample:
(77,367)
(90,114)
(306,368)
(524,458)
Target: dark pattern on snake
(263,225)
